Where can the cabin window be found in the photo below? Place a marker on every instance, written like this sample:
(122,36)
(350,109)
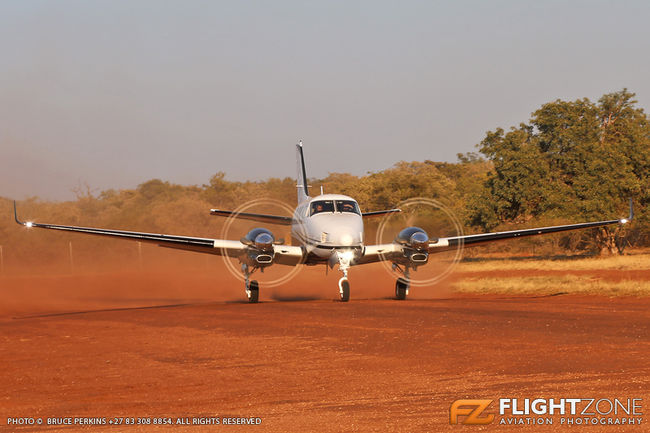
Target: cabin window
(347,206)
(321,206)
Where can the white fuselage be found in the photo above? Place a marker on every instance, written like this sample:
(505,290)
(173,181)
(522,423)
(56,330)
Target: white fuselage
(323,230)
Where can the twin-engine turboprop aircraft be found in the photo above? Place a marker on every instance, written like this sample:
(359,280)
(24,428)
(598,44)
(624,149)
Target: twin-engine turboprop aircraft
(329,230)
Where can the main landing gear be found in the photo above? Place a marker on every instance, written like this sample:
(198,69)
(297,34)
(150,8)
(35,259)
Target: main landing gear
(403,283)
(252,287)
(401,288)
(253,291)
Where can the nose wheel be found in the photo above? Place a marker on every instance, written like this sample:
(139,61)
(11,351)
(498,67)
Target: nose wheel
(344,289)
(344,258)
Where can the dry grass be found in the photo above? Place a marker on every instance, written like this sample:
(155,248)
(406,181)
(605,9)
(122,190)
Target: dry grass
(591,281)
(550,285)
(628,262)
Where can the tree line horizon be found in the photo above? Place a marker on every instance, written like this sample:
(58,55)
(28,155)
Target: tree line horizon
(572,161)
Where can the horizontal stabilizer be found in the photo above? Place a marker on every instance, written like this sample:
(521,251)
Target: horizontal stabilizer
(379,213)
(263,218)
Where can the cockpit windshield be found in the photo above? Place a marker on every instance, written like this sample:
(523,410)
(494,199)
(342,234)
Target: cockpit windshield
(330,206)
(347,206)
(321,206)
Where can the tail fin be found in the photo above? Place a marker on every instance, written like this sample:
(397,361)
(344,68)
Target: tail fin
(303,188)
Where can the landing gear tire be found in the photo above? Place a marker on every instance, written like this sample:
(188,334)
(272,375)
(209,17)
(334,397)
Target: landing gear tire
(401,288)
(344,289)
(253,292)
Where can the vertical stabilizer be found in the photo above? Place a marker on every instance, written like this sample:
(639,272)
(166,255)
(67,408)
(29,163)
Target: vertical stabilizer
(303,188)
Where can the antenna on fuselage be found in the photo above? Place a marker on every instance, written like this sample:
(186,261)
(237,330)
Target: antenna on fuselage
(321,190)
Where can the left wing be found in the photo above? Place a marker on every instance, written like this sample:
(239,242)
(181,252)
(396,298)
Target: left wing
(375,253)
(444,244)
(284,254)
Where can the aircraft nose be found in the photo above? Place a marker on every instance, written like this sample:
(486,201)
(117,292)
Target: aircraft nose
(339,231)
(347,238)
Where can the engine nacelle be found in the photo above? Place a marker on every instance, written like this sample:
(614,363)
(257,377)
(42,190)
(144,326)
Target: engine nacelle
(260,246)
(416,244)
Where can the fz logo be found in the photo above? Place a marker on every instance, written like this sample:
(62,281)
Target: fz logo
(472,410)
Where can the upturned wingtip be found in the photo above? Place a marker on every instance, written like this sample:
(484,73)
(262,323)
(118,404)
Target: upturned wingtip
(16,215)
(631,216)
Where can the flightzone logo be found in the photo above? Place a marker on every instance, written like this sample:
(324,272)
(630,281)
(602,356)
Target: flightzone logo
(542,411)
(471,410)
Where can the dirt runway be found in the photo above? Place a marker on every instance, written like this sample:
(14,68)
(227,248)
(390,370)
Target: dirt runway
(151,346)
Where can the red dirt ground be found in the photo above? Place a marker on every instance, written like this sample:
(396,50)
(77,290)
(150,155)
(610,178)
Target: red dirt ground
(185,345)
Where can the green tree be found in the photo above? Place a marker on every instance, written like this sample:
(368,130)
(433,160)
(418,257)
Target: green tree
(573,160)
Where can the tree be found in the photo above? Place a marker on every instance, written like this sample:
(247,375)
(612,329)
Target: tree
(572,160)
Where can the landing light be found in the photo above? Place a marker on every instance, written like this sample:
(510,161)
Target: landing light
(347,255)
(624,221)
(29,224)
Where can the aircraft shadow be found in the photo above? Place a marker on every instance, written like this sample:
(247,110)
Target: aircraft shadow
(295,298)
(108,310)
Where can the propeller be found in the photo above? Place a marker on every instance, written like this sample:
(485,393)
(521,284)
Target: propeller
(262,240)
(422,221)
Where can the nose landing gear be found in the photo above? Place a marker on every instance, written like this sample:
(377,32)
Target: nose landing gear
(344,289)
(344,258)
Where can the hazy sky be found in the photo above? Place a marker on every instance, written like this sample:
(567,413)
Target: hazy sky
(113,93)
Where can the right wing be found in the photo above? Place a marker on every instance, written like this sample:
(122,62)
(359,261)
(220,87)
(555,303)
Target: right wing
(284,254)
